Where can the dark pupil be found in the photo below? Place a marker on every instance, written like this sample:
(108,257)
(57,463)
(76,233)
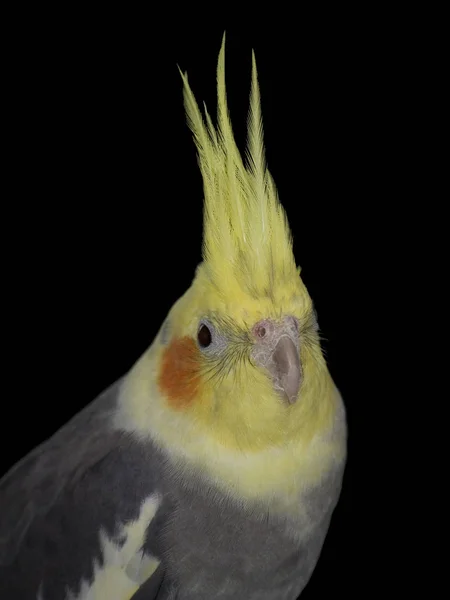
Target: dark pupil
(204,336)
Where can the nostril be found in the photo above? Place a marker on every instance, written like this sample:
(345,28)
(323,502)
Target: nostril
(263,329)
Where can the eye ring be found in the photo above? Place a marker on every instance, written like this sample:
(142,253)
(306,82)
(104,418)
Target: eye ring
(204,336)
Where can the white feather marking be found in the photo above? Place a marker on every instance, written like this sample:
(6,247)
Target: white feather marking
(125,567)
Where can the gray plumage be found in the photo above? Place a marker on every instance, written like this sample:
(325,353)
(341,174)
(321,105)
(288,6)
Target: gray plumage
(89,476)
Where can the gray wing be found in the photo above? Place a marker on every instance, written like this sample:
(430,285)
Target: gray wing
(86,478)
(31,487)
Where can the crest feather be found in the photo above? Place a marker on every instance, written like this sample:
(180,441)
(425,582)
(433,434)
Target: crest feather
(246,234)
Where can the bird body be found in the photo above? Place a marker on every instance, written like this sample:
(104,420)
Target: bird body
(212,468)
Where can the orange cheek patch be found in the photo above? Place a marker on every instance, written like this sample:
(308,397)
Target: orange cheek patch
(179,377)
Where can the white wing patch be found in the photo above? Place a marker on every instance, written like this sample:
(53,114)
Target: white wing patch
(125,567)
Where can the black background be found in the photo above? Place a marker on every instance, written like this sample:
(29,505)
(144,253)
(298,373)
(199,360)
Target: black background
(104,219)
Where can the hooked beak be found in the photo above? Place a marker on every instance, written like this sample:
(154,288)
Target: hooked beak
(277,351)
(287,368)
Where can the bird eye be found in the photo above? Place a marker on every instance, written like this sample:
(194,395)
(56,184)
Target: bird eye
(204,336)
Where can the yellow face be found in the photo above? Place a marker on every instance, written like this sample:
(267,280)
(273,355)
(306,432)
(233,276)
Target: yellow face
(240,352)
(215,361)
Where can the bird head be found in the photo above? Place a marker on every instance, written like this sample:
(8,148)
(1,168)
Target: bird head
(239,352)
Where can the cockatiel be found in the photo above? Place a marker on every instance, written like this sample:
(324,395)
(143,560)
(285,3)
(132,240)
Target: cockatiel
(212,468)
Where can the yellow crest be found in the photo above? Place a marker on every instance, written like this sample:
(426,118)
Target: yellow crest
(246,234)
